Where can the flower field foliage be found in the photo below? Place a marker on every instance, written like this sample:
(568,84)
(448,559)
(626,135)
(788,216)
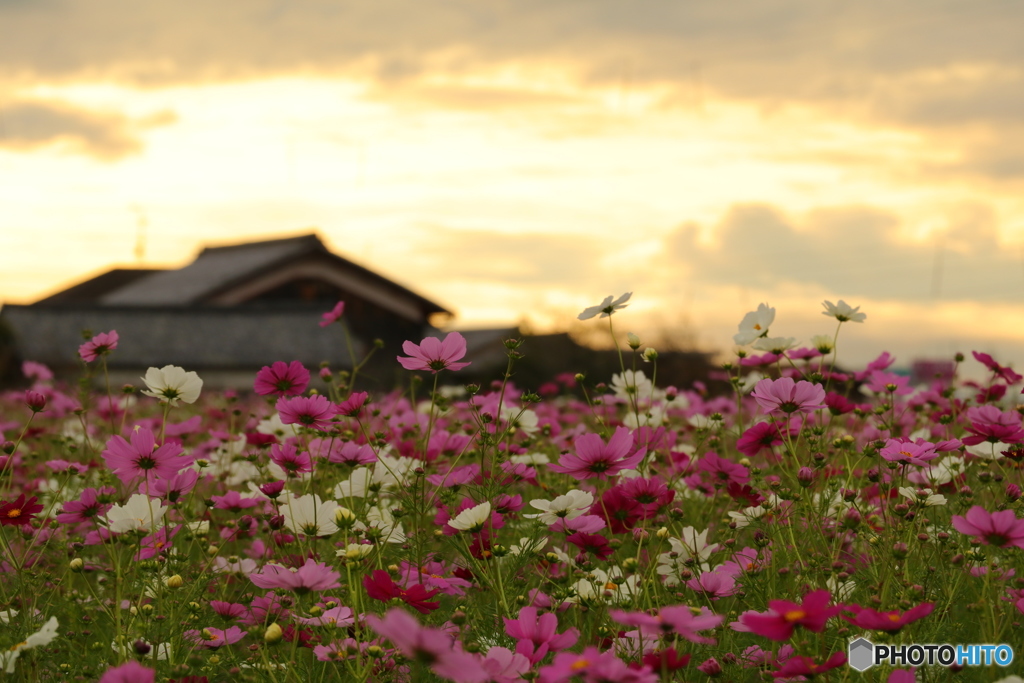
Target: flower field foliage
(571,532)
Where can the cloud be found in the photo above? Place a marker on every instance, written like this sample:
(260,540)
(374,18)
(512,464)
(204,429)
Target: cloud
(932,66)
(525,259)
(856,251)
(31,124)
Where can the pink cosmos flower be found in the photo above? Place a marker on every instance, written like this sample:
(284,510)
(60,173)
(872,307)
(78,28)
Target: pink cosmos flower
(172,488)
(332,315)
(282,379)
(351,406)
(336,617)
(291,460)
(36,371)
(538,636)
(100,345)
(988,423)
(434,355)
(1001,528)
(783,396)
(593,666)
(783,616)
(873,620)
(311,576)
(131,672)
(343,452)
(141,458)
(228,611)
(722,470)
(431,647)
(216,637)
(761,435)
(91,503)
(715,585)
(504,666)
(902,450)
(886,382)
(675,620)
(314,412)
(233,501)
(595,459)
(1004,373)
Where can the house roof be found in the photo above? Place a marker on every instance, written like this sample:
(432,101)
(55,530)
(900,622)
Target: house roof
(194,338)
(92,289)
(217,271)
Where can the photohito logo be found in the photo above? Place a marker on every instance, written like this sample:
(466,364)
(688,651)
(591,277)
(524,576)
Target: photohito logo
(862,654)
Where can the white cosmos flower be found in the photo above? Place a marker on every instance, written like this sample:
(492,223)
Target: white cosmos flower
(569,506)
(472,519)
(525,546)
(754,324)
(310,516)
(355,551)
(775,345)
(841,590)
(171,384)
(843,312)
(43,636)
(7,615)
(530,459)
(925,497)
(606,307)
(243,566)
(823,343)
(632,385)
(382,520)
(140,513)
(518,418)
(599,586)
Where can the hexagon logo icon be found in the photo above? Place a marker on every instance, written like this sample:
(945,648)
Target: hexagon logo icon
(861,654)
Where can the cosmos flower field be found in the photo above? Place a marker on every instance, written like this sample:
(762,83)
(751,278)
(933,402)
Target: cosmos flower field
(575,531)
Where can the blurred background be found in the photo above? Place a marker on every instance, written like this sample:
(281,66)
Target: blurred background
(514,163)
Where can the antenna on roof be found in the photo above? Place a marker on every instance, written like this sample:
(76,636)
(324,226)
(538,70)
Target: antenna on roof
(141,223)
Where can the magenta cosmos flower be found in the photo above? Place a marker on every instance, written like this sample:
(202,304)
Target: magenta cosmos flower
(783,616)
(282,379)
(312,576)
(1001,529)
(332,315)
(784,396)
(100,345)
(873,620)
(314,412)
(141,457)
(432,647)
(435,355)
(596,459)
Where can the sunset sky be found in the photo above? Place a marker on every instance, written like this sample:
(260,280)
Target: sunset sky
(519,161)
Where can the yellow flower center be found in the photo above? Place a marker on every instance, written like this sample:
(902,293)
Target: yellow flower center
(14,514)
(579,664)
(794,615)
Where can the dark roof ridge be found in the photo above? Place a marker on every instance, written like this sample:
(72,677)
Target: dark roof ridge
(312,238)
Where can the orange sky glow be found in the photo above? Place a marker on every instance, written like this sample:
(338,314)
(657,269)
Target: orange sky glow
(520,168)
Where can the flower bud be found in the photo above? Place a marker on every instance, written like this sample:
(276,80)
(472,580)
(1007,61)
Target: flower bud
(633,341)
(650,354)
(805,476)
(36,401)
(273,634)
(175,581)
(662,532)
(77,564)
(344,517)
(141,647)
